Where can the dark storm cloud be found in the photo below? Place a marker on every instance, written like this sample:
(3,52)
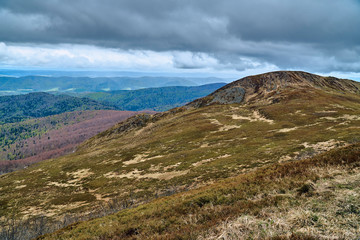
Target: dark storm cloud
(320,35)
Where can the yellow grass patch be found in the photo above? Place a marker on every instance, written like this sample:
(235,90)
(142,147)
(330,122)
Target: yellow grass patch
(256,116)
(138,174)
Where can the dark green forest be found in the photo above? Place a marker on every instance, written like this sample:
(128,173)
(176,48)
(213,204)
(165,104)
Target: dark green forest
(157,99)
(34,105)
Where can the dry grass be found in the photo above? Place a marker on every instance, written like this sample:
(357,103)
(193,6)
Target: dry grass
(136,174)
(307,199)
(330,210)
(180,150)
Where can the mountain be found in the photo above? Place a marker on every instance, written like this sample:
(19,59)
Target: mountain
(266,88)
(29,141)
(34,105)
(272,155)
(157,99)
(28,84)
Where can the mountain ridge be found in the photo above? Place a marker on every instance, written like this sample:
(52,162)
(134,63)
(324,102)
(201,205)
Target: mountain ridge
(262,86)
(249,90)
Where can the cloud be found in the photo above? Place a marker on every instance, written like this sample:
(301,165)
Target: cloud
(189,60)
(82,56)
(317,36)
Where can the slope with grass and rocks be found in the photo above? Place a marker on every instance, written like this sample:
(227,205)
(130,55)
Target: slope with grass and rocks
(310,199)
(229,138)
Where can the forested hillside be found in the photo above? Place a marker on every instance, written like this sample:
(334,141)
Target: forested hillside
(34,140)
(157,99)
(34,105)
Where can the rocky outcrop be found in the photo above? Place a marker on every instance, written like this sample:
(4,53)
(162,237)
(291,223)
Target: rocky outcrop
(259,87)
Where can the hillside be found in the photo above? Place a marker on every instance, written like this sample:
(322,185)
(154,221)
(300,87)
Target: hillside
(308,199)
(220,153)
(34,140)
(264,88)
(157,99)
(34,105)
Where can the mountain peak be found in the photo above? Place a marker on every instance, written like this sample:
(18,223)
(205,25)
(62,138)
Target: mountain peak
(263,86)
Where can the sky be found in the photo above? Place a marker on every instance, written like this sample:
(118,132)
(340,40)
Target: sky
(229,38)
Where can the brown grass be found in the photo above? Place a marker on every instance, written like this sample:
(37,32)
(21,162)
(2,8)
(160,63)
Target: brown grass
(246,200)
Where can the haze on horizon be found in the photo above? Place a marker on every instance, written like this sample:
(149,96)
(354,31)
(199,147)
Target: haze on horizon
(228,38)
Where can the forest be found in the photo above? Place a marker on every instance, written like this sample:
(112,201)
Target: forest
(34,105)
(38,139)
(157,99)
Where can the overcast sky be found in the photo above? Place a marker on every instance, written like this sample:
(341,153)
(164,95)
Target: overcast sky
(227,37)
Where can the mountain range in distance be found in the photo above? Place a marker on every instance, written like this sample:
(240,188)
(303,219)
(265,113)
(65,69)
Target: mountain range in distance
(274,154)
(10,85)
(105,73)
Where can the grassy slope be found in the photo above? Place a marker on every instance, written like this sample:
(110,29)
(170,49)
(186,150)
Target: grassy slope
(182,151)
(158,99)
(307,199)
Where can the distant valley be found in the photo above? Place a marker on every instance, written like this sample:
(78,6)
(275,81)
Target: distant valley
(10,85)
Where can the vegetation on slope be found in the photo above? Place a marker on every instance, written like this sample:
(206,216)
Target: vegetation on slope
(157,99)
(303,194)
(34,105)
(146,156)
(37,139)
